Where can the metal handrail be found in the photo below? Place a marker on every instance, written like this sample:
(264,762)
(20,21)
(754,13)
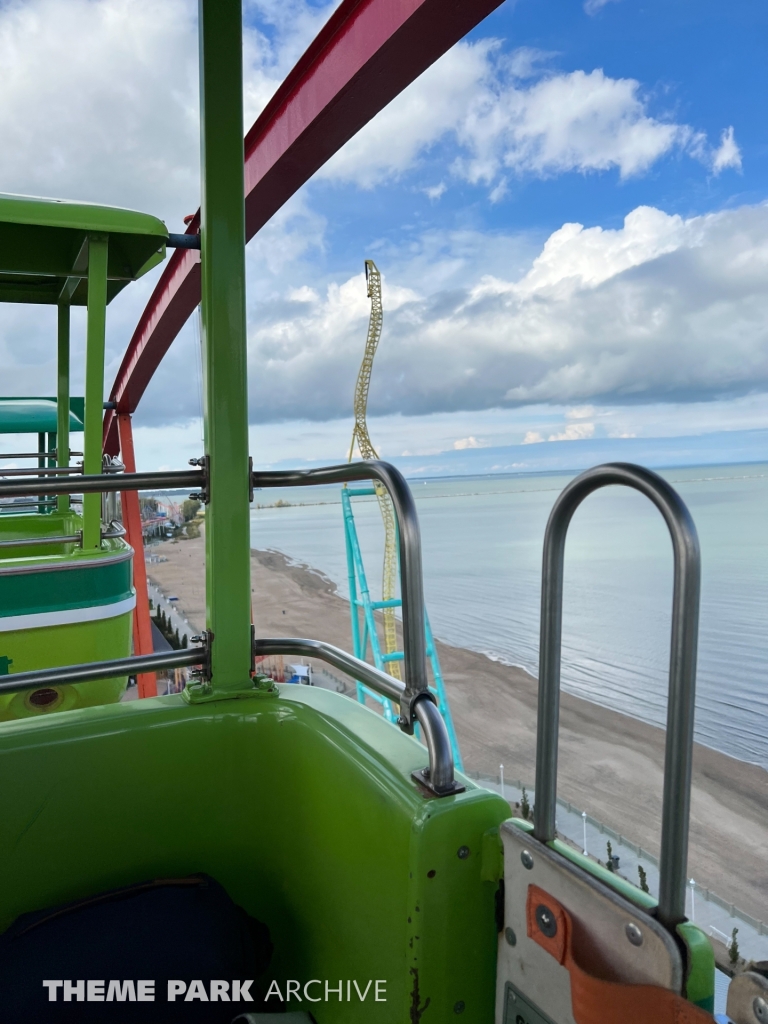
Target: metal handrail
(52,454)
(134,665)
(115,529)
(411,585)
(101,482)
(28,542)
(379,681)
(43,471)
(439,777)
(29,504)
(682,669)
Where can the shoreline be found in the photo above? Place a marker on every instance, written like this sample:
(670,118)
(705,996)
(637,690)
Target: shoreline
(603,753)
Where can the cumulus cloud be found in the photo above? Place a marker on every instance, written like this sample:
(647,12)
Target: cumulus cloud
(511,114)
(662,309)
(727,154)
(574,432)
(100,97)
(99,101)
(469,442)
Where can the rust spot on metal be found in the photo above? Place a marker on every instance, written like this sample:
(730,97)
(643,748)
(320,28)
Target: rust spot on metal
(417,1011)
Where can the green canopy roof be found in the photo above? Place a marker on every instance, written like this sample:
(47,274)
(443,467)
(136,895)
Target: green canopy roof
(36,415)
(44,252)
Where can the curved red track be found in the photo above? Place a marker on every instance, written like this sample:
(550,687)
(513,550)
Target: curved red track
(367,53)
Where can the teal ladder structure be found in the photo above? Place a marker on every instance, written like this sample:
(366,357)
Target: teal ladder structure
(368,637)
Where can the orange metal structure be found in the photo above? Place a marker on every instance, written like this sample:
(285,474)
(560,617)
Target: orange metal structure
(142,627)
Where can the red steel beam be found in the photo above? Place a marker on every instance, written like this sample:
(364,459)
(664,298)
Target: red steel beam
(366,53)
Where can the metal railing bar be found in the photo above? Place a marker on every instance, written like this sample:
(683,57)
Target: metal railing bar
(682,668)
(441,776)
(28,504)
(441,768)
(409,538)
(115,529)
(28,542)
(379,681)
(101,482)
(43,471)
(52,454)
(134,665)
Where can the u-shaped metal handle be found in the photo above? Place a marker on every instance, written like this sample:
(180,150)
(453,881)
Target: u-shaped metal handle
(682,669)
(409,538)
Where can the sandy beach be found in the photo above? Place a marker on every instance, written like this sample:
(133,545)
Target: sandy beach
(610,765)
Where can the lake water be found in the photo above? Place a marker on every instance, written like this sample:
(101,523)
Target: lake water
(482,541)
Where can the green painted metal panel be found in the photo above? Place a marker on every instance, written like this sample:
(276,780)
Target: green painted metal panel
(37,415)
(53,646)
(63,417)
(42,240)
(98,247)
(222,233)
(49,589)
(301,805)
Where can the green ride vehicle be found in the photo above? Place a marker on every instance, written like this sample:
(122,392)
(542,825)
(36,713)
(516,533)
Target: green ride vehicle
(66,592)
(255,851)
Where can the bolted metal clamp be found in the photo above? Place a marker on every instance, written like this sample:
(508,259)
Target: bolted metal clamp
(203,462)
(202,675)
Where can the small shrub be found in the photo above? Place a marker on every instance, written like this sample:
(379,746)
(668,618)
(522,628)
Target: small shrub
(643,878)
(525,807)
(609,864)
(733,949)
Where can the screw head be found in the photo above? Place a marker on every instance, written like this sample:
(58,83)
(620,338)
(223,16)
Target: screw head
(510,936)
(459,1007)
(760,1008)
(463,852)
(546,921)
(633,933)
(527,859)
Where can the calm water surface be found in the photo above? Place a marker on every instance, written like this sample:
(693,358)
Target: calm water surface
(482,540)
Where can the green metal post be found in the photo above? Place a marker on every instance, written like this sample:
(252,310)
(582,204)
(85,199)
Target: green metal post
(62,399)
(40,465)
(227,521)
(94,383)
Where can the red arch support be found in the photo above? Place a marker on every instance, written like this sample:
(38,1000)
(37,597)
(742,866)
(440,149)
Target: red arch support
(367,53)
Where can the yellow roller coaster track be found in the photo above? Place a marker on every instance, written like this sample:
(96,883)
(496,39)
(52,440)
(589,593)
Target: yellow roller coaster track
(367,451)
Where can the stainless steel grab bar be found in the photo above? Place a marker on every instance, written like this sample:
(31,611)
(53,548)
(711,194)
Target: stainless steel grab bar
(28,542)
(99,482)
(439,777)
(43,471)
(102,669)
(409,536)
(682,669)
(115,529)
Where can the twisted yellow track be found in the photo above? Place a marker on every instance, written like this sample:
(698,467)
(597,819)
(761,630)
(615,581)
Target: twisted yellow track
(367,451)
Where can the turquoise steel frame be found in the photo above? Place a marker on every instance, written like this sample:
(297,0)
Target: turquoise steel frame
(367,636)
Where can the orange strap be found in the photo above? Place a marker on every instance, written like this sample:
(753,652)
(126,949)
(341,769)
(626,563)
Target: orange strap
(595,1001)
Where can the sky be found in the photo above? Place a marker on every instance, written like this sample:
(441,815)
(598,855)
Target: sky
(569,211)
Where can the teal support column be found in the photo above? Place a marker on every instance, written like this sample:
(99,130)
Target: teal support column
(94,383)
(227,520)
(62,398)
